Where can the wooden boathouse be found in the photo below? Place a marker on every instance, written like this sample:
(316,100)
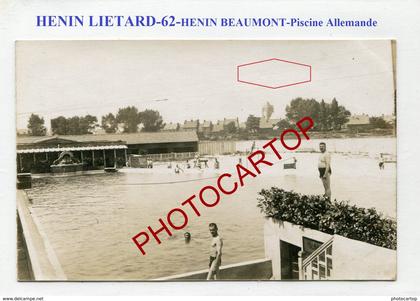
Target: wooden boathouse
(36,154)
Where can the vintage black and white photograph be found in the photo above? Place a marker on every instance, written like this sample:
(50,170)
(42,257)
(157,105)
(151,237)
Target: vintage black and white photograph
(206,160)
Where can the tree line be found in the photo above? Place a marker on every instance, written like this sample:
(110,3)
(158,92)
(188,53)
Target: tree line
(326,116)
(76,125)
(131,120)
(126,120)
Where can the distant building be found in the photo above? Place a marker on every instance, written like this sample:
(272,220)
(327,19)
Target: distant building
(22,132)
(171,127)
(190,125)
(218,126)
(205,127)
(358,122)
(389,119)
(242,125)
(268,125)
(226,121)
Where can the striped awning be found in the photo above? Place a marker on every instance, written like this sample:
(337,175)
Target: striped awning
(69,149)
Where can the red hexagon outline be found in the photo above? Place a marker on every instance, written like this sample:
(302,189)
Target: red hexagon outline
(273,59)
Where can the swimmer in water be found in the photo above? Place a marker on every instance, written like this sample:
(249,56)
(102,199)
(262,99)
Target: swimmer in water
(216,164)
(178,169)
(381,162)
(187,237)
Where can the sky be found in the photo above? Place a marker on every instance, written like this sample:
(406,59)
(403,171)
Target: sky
(194,79)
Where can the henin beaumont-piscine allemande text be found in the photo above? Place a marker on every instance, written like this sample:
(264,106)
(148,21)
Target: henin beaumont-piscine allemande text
(173,21)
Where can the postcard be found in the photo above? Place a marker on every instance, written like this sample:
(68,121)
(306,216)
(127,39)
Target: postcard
(206,160)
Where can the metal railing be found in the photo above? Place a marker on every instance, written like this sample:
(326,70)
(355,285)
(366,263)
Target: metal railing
(319,264)
(170,156)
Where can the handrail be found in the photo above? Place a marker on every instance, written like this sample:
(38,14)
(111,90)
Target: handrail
(173,155)
(321,248)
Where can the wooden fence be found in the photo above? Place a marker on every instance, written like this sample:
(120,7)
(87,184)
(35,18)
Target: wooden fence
(216,147)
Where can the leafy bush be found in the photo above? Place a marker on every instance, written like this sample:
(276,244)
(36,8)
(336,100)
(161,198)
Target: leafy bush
(319,213)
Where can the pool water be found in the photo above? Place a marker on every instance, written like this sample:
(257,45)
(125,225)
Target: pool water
(90,220)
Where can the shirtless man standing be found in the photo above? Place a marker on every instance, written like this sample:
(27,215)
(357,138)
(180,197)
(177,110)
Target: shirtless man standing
(324,167)
(215,252)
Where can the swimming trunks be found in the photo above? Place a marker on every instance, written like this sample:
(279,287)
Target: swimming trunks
(212,258)
(322,171)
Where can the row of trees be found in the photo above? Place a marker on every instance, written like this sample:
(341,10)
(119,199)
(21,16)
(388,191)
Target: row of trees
(131,119)
(76,125)
(326,116)
(128,120)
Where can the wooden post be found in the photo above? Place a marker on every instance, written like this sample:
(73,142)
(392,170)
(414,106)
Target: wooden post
(103,151)
(34,158)
(93,158)
(20,162)
(81,156)
(115,157)
(125,155)
(300,265)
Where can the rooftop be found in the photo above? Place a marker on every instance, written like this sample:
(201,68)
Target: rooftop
(132,138)
(171,126)
(190,124)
